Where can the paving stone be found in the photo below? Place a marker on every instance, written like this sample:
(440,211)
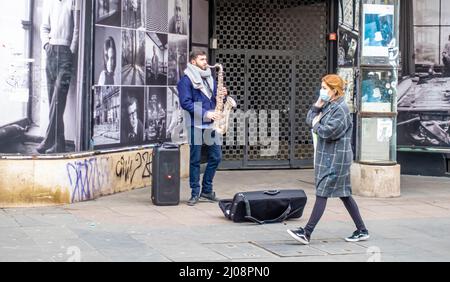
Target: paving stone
(241,251)
(339,248)
(290,249)
(127,227)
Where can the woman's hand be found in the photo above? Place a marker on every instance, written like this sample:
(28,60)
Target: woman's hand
(320,103)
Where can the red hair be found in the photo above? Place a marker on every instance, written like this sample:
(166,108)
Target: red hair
(336,84)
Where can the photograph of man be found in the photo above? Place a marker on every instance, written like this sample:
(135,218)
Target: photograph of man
(176,129)
(178,16)
(133,14)
(133,57)
(157,53)
(132,127)
(157,21)
(59,36)
(446,58)
(155,127)
(107,53)
(178,48)
(107,115)
(108,12)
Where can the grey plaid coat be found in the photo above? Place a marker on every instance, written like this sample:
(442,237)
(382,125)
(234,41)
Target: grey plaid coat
(334,155)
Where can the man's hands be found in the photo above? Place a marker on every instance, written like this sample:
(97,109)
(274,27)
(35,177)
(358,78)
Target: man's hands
(213,116)
(224,92)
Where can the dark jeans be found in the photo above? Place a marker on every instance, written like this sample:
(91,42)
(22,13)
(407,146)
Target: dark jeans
(319,209)
(59,72)
(197,141)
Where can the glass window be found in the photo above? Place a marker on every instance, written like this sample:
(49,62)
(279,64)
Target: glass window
(445,12)
(14,86)
(378,140)
(426,12)
(379,90)
(432,32)
(427,45)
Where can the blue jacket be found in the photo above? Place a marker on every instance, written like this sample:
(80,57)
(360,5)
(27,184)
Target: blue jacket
(189,96)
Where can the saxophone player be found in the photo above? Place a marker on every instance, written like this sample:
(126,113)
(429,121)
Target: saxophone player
(198,93)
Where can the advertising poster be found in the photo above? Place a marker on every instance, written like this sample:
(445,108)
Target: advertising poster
(378,30)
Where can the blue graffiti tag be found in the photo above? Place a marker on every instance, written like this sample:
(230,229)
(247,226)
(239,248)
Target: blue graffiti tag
(87,178)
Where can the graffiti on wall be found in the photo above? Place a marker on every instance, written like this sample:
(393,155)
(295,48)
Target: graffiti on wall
(88,177)
(128,167)
(92,177)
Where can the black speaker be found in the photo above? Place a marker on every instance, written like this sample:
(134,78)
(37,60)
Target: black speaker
(166,175)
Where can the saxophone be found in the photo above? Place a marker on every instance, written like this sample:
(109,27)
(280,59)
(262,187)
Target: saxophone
(224,108)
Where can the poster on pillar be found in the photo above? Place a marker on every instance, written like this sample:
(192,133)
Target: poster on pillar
(380,41)
(140,54)
(39,51)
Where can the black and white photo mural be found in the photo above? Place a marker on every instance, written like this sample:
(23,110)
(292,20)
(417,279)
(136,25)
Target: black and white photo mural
(132,124)
(108,56)
(133,57)
(141,53)
(108,12)
(39,81)
(157,53)
(178,57)
(176,127)
(424,97)
(157,16)
(178,16)
(107,115)
(156,115)
(133,15)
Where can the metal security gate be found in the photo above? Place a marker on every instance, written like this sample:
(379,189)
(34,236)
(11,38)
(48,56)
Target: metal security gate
(274,54)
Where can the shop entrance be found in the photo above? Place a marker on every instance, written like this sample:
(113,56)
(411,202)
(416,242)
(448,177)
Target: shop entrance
(274,54)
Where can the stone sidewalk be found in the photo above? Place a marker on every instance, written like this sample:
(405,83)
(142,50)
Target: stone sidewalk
(127,227)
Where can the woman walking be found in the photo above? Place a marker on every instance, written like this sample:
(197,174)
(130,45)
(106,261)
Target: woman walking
(331,120)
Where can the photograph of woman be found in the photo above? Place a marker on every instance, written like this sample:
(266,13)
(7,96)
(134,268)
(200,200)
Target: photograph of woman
(108,51)
(110,63)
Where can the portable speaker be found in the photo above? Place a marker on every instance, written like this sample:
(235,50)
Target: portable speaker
(166,175)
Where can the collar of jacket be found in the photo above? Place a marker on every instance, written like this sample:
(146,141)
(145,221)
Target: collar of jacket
(332,105)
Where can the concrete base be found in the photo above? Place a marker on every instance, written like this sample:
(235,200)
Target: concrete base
(376,181)
(34,182)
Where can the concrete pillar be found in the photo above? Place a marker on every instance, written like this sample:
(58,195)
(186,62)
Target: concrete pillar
(376,181)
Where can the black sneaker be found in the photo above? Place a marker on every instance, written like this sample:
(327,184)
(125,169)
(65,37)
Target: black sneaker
(358,236)
(193,201)
(210,197)
(299,235)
